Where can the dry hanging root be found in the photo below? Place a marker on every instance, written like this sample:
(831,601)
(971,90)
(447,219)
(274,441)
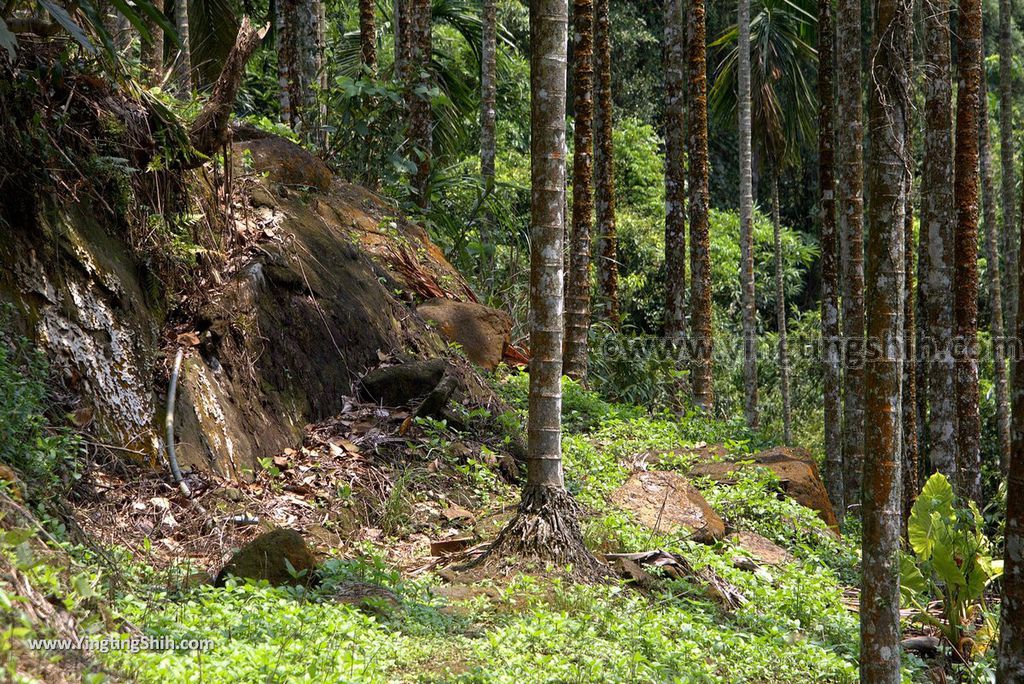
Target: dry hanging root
(545,529)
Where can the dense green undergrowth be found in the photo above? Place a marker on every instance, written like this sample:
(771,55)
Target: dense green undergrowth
(527,628)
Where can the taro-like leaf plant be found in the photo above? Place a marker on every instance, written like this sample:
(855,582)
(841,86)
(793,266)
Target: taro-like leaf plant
(951,562)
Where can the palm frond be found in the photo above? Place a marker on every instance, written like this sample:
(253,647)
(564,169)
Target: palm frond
(783,62)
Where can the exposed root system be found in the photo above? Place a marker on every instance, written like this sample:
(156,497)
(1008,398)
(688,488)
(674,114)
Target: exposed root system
(546,530)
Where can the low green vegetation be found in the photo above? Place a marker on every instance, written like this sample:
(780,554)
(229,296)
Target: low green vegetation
(792,627)
(45,455)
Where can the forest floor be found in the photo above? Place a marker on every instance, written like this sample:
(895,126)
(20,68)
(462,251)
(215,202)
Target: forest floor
(388,610)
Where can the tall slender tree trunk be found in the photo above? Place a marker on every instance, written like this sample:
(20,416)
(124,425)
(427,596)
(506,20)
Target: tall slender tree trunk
(125,34)
(888,112)
(301,18)
(965,263)
(420,40)
(608,264)
(922,365)
(700,244)
(747,223)
(183,64)
(995,288)
(545,526)
(1010,667)
(1011,248)
(284,61)
(674,58)
(118,28)
(488,118)
(548,36)
(489,92)
(321,70)
(780,314)
(152,51)
(368,35)
(850,172)
(403,51)
(577,318)
(937,221)
(910,362)
(832,374)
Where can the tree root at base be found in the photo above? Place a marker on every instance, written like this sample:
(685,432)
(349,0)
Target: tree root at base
(545,530)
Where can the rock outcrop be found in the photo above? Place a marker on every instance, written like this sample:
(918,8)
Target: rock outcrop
(796,470)
(313,285)
(763,551)
(666,501)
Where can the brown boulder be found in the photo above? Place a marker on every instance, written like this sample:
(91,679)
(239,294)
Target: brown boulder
(264,559)
(762,550)
(284,162)
(796,470)
(483,332)
(666,501)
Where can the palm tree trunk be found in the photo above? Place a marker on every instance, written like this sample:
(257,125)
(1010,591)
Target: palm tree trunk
(747,223)
(321,71)
(922,365)
(545,526)
(965,260)
(577,317)
(937,219)
(994,282)
(829,262)
(152,52)
(183,65)
(700,244)
(1011,248)
(780,314)
(302,64)
(608,264)
(674,60)
(850,171)
(368,35)
(488,121)
(1010,665)
(420,39)
(888,112)
(400,25)
(910,363)
(488,92)
(548,22)
(284,61)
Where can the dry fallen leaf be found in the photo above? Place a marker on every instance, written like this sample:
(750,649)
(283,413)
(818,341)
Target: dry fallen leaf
(190,339)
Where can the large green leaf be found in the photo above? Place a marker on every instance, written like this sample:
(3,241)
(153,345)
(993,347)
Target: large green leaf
(936,498)
(61,16)
(912,581)
(127,9)
(147,8)
(944,551)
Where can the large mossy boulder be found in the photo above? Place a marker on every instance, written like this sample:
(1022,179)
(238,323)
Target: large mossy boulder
(403,383)
(268,556)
